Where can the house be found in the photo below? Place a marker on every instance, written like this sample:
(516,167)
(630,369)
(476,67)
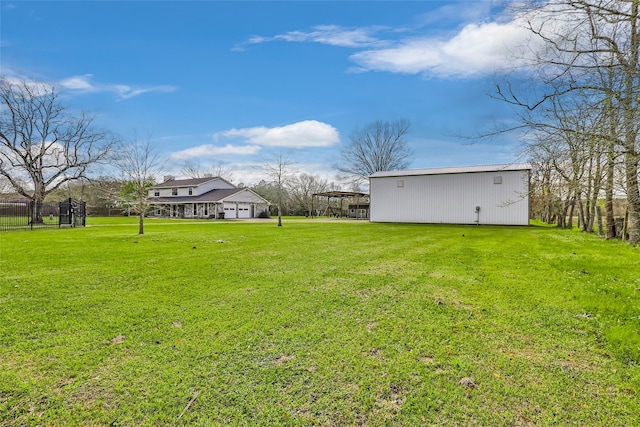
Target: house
(205,198)
(485,194)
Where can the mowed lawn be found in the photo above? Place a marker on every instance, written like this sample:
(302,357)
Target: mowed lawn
(326,323)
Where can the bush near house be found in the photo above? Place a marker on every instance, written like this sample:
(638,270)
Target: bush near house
(317,323)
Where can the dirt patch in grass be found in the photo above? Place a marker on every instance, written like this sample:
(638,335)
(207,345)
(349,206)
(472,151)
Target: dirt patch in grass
(283,359)
(375,353)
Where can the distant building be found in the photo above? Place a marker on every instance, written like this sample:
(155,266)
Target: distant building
(487,194)
(205,198)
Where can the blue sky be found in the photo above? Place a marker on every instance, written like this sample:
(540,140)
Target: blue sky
(235,82)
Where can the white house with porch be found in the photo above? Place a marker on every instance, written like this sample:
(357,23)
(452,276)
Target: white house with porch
(205,198)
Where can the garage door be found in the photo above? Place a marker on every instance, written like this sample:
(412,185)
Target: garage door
(244,211)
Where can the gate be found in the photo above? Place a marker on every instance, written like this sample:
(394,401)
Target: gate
(72,213)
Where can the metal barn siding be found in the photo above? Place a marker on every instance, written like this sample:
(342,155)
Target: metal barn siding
(451,195)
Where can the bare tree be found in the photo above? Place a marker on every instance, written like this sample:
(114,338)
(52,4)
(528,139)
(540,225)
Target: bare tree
(277,169)
(140,164)
(194,169)
(380,146)
(302,188)
(42,143)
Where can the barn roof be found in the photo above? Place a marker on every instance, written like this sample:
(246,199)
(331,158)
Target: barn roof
(454,170)
(340,194)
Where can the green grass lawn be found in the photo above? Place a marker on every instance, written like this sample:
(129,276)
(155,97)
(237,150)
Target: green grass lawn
(317,323)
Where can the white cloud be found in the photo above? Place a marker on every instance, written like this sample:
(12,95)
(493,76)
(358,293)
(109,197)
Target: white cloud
(476,49)
(83,84)
(209,150)
(333,35)
(78,83)
(126,92)
(308,133)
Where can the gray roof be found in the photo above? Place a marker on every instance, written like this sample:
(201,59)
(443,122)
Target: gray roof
(210,196)
(454,169)
(184,182)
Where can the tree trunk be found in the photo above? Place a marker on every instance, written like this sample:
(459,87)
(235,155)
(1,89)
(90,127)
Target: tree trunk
(581,220)
(632,225)
(608,194)
(625,226)
(279,215)
(141,224)
(572,206)
(611,163)
(599,216)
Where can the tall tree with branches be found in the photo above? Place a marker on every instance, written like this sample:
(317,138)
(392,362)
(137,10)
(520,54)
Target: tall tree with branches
(43,143)
(379,146)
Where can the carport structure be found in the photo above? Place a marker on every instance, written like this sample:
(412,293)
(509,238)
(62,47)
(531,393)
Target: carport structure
(359,209)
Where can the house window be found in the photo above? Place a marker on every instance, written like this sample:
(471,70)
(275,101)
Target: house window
(195,210)
(190,191)
(174,191)
(497,179)
(206,209)
(156,193)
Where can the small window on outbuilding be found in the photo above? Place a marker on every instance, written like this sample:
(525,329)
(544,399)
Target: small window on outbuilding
(497,179)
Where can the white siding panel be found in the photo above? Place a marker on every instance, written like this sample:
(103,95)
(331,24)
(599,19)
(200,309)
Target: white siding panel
(452,198)
(245,196)
(214,184)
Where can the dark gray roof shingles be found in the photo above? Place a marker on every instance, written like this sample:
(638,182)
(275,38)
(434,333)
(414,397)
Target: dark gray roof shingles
(210,196)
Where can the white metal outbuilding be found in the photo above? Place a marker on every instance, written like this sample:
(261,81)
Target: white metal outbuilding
(484,194)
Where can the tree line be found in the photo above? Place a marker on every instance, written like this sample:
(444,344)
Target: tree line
(578,111)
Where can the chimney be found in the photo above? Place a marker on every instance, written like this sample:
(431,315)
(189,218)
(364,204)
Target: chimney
(169,178)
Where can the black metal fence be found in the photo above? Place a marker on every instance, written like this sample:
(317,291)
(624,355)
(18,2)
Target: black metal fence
(26,214)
